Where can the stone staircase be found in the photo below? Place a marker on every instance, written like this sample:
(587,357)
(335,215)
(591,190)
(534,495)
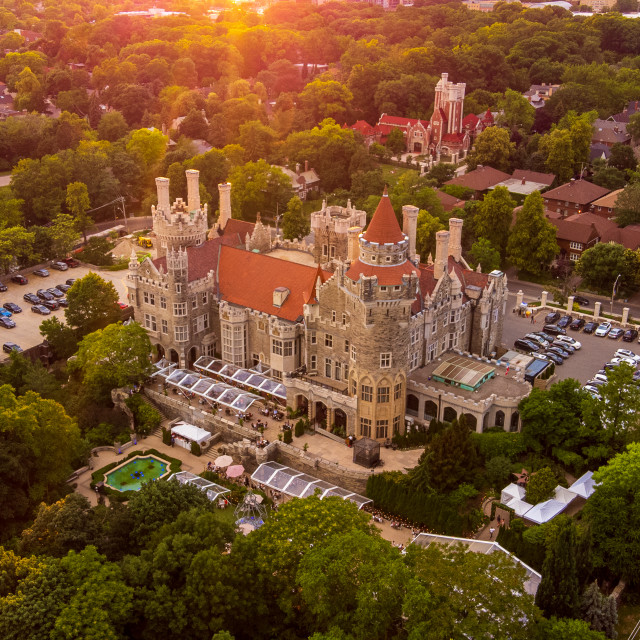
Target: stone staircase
(212,453)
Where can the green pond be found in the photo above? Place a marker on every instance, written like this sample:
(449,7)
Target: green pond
(131,475)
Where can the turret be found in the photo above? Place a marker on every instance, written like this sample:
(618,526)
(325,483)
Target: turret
(193,190)
(442,246)
(224,191)
(162,186)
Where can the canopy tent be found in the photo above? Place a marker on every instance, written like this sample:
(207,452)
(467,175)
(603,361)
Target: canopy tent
(564,495)
(190,432)
(520,507)
(511,492)
(301,485)
(255,378)
(207,388)
(481,546)
(545,511)
(212,490)
(163,368)
(584,486)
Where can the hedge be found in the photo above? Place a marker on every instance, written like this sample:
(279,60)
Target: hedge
(98,476)
(390,492)
(503,443)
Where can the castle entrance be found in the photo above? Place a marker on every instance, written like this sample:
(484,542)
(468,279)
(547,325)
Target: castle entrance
(320,417)
(340,418)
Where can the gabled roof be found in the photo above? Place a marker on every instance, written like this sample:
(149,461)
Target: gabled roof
(608,201)
(386,275)
(480,179)
(239,228)
(399,121)
(384,227)
(576,191)
(449,202)
(574,232)
(363,127)
(534,176)
(603,225)
(609,131)
(470,121)
(249,279)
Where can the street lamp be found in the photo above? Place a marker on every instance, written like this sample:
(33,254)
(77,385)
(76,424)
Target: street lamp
(613,291)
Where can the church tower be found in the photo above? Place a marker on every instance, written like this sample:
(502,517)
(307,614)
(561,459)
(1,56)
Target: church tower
(183,224)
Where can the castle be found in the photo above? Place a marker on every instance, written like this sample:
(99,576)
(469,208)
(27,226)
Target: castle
(346,336)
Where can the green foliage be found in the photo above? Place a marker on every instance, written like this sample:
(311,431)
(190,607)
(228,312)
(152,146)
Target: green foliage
(295,222)
(600,265)
(299,428)
(498,471)
(166,436)
(499,443)
(92,304)
(97,252)
(195,449)
(531,552)
(287,436)
(395,141)
(493,219)
(567,629)
(492,148)
(541,485)
(627,208)
(483,254)
(599,611)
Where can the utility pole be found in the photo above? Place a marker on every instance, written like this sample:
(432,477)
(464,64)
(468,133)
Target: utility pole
(613,291)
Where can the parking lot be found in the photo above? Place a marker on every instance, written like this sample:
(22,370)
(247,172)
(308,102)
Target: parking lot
(26,333)
(584,363)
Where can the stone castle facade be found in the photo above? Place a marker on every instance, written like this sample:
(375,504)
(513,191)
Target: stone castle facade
(345,342)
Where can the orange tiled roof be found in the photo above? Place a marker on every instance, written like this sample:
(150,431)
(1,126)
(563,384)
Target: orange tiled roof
(384,227)
(248,279)
(386,275)
(241,227)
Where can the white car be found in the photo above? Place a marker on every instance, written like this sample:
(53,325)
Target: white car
(569,340)
(625,353)
(603,329)
(630,361)
(601,377)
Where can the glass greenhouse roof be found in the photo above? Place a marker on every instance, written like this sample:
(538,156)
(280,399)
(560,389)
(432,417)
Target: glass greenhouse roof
(212,489)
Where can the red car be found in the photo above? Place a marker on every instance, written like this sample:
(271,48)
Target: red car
(122,305)
(71,262)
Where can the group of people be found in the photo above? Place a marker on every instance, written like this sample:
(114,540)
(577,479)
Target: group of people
(212,467)
(261,443)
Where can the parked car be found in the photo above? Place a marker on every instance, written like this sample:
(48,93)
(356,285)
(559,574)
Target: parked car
(611,365)
(71,262)
(8,347)
(52,305)
(554,357)
(122,305)
(601,376)
(559,352)
(630,361)
(636,376)
(552,318)
(63,287)
(565,347)
(596,383)
(593,390)
(527,345)
(590,327)
(12,306)
(581,300)
(603,329)
(41,309)
(554,330)
(63,302)
(19,279)
(3,287)
(31,298)
(629,335)
(43,294)
(55,292)
(569,340)
(565,321)
(546,336)
(70,281)
(577,324)
(7,323)
(43,273)
(626,353)
(59,266)
(615,333)
(536,338)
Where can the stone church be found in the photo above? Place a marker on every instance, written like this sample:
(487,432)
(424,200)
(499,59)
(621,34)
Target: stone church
(344,336)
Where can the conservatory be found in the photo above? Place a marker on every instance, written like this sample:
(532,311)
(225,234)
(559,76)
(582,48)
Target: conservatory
(212,490)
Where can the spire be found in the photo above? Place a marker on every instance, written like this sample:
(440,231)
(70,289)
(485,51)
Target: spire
(384,227)
(311,298)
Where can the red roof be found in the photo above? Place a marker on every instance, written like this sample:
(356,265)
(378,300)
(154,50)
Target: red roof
(386,275)
(453,137)
(249,279)
(480,179)
(384,227)
(580,192)
(470,121)
(400,121)
(241,227)
(363,127)
(449,202)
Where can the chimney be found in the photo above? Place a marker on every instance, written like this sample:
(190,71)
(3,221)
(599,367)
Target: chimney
(306,165)
(297,168)
(410,227)
(193,189)
(442,246)
(224,190)
(524,181)
(162,186)
(455,238)
(353,244)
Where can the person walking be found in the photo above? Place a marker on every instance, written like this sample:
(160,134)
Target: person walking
(491,532)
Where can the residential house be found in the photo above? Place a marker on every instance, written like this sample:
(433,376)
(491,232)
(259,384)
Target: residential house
(572,197)
(538,94)
(481,179)
(608,132)
(449,202)
(631,109)
(523,183)
(369,133)
(574,238)
(302,182)
(605,206)
(476,124)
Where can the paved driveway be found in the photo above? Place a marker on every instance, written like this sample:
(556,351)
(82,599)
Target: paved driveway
(583,363)
(26,333)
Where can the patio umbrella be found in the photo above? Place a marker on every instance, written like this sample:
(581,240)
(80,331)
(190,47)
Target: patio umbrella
(235,471)
(223,461)
(246,528)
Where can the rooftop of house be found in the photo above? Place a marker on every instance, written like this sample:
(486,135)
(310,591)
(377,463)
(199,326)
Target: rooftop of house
(609,200)
(611,132)
(534,176)
(480,179)
(400,121)
(449,202)
(579,192)
(574,232)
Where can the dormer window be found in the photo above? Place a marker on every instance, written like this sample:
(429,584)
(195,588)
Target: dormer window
(280,295)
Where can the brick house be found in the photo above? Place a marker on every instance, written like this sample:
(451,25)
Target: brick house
(481,179)
(572,197)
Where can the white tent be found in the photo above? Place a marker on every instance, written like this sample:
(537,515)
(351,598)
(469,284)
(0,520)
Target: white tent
(512,491)
(584,486)
(564,495)
(185,434)
(520,507)
(545,511)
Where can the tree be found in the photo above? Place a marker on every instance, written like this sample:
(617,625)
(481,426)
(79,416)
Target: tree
(396,142)
(622,157)
(61,338)
(494,218)
(457,593)
(295,223)
(441,173)
(516,112)
(483,254)
(354,582)
(558,590)
(93,304)
(619,397)
(322,99)
(609,178)
(78,203)
(257,140)
(426,230)
(600,266)
(541,485)
(112,126)
(148,147)
(16,246)
(112,357)
(30,93)
(194,125)
(63,234)
(633,126)
(532,243)
(567,629)
(600,611)
(627,206)
(612,512)
(492,148)
(558,148)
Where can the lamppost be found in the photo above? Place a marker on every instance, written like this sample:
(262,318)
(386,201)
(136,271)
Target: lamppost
(613,291)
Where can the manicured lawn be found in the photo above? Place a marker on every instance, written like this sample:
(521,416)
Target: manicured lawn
(391,173)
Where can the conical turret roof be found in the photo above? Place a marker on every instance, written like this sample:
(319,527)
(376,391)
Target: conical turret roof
(384,227)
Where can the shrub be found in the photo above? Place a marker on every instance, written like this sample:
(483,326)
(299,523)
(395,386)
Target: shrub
(499,443)
(299,428)
(287,436)
(195,449)
(541,485)
(166,436)
(498,471)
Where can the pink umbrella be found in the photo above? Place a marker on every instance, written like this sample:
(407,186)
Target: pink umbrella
(235,471)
